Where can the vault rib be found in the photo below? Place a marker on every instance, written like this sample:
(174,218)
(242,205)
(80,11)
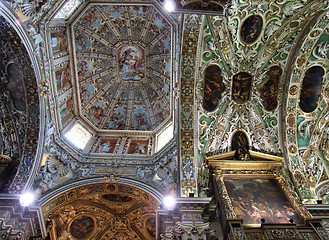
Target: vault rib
(149,20)
(96,96)
(92,34)
(81,54)
(127,17)
(159,37)
(96,76)
(106,20)
(149,106)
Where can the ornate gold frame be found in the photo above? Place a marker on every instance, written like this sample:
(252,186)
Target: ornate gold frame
(264,166)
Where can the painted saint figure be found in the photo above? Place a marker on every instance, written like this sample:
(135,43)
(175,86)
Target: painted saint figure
(131,63)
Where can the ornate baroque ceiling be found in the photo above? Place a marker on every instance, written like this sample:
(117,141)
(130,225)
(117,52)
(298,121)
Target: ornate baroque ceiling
(122,63)
(257,76)
(119,79)
(102,211)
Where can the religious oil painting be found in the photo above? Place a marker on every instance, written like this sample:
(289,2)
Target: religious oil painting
(114,197)
(213,88)
(67,110)
(107,145)
(241,87)
(269,90)
(138,147)
(131,62)
(59,42)
(254,199)
(251,29)
(240,145)
(62,77)
(311,89)
(15,86)
(82,227)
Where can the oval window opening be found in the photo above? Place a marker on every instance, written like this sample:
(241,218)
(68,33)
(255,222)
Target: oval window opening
(213,88)
(311,88)
(251,29)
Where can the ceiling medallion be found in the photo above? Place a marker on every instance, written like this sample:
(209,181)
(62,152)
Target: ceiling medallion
(131,62)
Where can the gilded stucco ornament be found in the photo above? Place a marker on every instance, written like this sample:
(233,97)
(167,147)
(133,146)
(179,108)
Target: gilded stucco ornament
(309,139)
(43,89)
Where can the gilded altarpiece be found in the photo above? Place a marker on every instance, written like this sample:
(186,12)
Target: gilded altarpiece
(249,192)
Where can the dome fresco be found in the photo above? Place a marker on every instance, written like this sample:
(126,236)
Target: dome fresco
(122,65)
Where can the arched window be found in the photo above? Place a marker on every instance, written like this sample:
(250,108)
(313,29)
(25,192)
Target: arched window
(311,88)
(213,88)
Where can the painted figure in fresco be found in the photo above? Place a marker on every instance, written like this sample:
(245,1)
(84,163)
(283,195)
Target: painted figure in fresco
(83,68)
(84,95)
(59,42)
(68,110)
(62,77)
(82,227)
(96,112)
(138,147)
(131,64)
(81,41)
(117,121)
(140,119)
(89,18)
(107,146)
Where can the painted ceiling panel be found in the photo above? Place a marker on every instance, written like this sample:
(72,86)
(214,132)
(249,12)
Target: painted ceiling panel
(123,67)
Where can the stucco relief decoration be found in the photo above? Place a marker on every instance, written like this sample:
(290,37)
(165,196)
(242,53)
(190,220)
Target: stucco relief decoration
(19,87)
(119,83)
(191,32)
(311,114)
(264,57)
